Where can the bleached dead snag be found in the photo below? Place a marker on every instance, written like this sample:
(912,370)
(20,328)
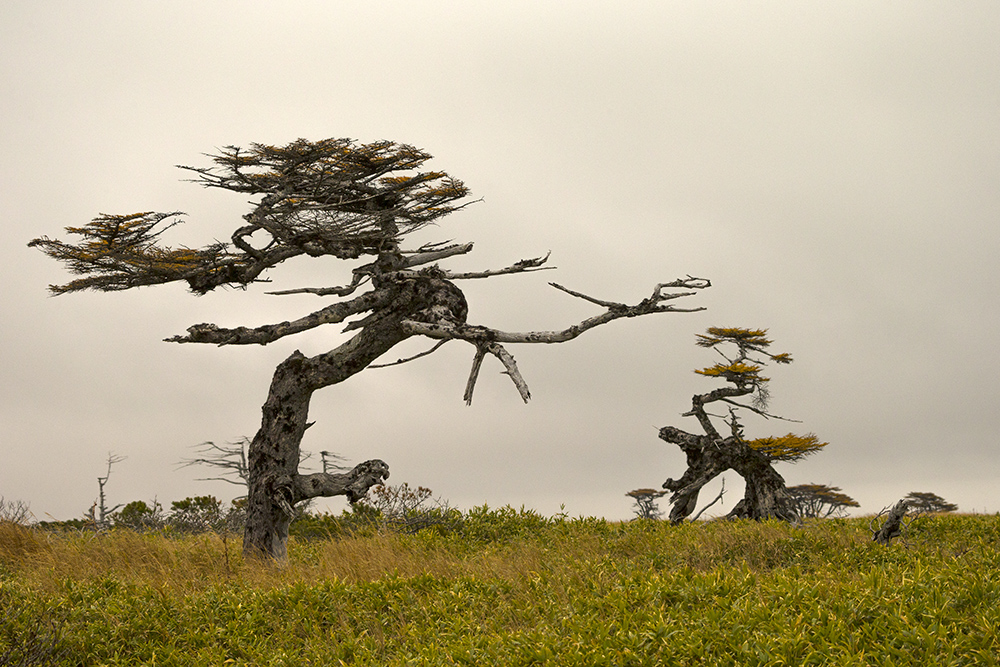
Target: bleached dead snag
(339,199)
(710,454)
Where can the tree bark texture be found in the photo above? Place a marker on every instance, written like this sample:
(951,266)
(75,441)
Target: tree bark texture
(275,483)
(707,457)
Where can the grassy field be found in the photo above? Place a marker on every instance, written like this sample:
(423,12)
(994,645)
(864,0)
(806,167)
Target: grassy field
(514,588)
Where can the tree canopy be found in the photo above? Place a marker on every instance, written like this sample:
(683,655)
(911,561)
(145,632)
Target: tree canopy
(331,197)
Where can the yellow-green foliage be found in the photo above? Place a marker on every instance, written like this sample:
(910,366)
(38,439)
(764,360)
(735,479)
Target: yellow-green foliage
(756,338)
(557,592)
(746,340)
(788,447)
(736,371)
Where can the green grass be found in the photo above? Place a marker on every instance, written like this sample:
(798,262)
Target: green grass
(513,588)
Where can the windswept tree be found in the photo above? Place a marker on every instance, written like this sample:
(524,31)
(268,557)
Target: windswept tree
(646,506)
(744,354)
(819,501)
(330,198)
(925,501)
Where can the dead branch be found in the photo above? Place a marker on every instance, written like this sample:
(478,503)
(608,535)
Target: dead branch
(354,484)
(491,339)
(476,334)
(718,498)
(428,256)
(262,335)
(409,359)
(477,363)
(522,266)
(344,290)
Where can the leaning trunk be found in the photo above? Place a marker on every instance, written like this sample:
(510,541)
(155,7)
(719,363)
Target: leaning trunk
(272,461)
(273,458)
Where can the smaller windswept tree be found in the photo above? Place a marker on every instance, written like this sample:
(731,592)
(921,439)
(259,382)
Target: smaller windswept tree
(819,501)
(744,354)
(646,506)
(923,501)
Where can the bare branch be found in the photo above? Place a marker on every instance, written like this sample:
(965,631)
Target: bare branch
(481,334)
(477,363)
(507,359)
(219,479)
(762,413)
(606,304)
(490,340)
(522,266)
(358,280)
(262,335)
(409,359)
(362,273)
(722,492)
(508,362)
(428,256)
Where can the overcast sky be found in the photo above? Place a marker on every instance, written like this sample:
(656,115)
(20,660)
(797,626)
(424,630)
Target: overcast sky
(833,168)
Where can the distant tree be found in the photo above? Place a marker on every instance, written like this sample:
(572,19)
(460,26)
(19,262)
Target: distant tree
(230,459)
(137,515)
(928,502)
(819,501)
(711,453)
(330,198)
(99,513)
(198,514)
(331,461)
(646,506)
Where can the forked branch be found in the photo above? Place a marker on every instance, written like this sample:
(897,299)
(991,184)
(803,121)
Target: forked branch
(489,340)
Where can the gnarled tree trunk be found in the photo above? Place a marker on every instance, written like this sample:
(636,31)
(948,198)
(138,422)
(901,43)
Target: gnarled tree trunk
(275,483)
(765,495)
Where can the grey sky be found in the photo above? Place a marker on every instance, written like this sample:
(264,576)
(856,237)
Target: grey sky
(833,168)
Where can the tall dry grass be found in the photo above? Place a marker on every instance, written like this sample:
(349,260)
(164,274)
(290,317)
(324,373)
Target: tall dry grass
(193,562)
